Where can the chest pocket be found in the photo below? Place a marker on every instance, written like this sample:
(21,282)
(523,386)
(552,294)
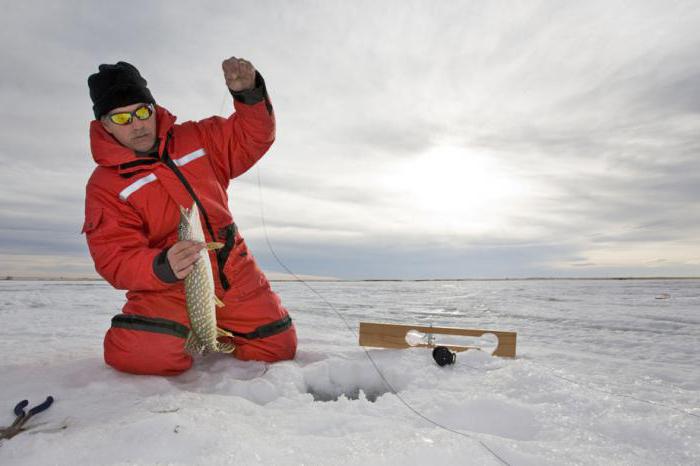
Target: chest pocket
(93,218)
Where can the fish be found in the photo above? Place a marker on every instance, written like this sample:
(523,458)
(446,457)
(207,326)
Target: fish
(199,292)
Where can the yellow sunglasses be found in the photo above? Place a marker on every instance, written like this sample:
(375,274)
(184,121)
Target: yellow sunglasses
(144,112)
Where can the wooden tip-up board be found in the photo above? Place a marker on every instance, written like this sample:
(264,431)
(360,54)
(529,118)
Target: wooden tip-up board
(394,336)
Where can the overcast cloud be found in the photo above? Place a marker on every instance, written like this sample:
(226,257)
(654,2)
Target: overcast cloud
(416,139)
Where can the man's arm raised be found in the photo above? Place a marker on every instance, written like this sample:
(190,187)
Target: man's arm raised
(237,142)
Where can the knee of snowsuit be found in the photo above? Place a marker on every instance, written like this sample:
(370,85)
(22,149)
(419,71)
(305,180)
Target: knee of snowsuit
(142,341)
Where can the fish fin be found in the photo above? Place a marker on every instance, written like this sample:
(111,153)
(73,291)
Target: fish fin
(225,347)
(193,345)
(223,333)
(214,245)
(218,302)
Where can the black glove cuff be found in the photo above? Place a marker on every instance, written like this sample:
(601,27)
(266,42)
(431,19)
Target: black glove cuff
(254,95)
(162,269)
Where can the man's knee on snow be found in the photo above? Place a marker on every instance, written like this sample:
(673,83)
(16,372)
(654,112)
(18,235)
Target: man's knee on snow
(280,347)
(144,352)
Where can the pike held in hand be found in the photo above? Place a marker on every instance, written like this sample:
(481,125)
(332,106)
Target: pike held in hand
(199,291)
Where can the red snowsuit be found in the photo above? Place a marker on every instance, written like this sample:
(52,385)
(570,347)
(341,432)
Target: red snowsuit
(131,218)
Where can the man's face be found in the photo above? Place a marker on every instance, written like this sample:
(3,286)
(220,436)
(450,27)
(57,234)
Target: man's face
(139,135)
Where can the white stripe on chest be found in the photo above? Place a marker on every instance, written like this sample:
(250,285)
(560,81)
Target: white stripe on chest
(136,185)
(141,182)
(185,159)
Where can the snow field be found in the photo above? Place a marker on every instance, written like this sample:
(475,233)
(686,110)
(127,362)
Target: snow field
(605,374)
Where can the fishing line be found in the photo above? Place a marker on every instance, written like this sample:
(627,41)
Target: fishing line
(352,330)
(608,392)
(223,104)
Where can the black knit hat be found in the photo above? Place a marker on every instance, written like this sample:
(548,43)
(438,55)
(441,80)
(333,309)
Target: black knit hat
(117,86)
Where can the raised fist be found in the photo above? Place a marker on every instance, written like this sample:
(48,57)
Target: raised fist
(238,73)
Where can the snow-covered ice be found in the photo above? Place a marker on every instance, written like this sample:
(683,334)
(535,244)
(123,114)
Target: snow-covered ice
(607,373)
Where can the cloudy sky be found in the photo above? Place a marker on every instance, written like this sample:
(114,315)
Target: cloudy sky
(416,139)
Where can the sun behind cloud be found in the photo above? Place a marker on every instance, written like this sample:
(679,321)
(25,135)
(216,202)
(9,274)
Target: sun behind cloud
(461,190)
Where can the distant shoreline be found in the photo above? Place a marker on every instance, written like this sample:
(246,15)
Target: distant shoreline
(361,280)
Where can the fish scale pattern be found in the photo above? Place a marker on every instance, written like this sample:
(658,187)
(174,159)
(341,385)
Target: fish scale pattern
(199,291)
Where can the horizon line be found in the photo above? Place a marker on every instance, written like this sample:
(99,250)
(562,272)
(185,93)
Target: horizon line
(99,279)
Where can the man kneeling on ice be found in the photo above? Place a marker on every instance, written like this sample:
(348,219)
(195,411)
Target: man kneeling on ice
(148,168)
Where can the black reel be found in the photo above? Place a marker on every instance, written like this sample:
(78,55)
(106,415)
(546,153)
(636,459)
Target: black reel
(444,356)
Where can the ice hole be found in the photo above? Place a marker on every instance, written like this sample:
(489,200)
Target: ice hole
(356,393)
(334,379)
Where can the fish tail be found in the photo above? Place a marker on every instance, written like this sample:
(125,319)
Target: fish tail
(225,347)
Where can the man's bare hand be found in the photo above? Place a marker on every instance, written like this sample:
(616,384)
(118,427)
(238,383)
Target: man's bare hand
(182,256)
(239,74)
